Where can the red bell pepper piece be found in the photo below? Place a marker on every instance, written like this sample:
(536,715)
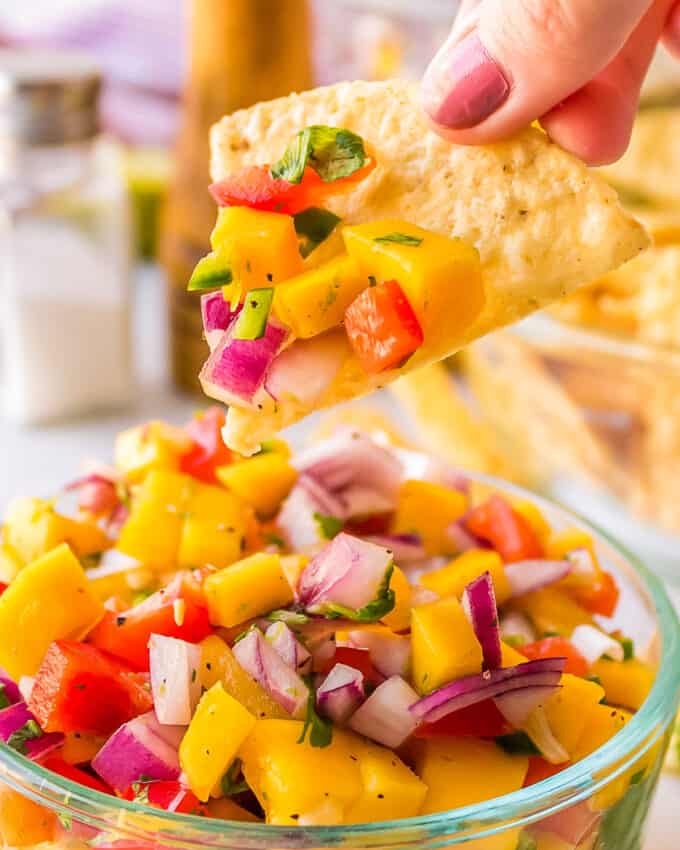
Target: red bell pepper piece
(557,647)
(75,774)
(358,658)
(126,635)
(601,596)
(483,720)
(168,795)
(3,587)
(540,769)
(382,327)
(78,688)
(208,451)
(510,534)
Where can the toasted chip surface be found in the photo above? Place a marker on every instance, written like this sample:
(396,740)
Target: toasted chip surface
(542,223)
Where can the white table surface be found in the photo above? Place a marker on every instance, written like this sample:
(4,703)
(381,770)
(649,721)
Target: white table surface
(36,461)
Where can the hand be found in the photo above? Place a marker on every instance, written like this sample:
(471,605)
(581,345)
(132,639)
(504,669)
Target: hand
(578,65)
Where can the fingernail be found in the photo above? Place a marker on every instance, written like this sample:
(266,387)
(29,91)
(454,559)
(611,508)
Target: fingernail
(464,85)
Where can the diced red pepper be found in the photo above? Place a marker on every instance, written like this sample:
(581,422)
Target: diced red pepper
(358,658)
(374,524)
(557,647)
(208,451)
(600,596)
(126,635)
(510,534)
(78,688)
(382,327)
(168,795)
(3,587)
(75,774)
(540,769)
(483,720)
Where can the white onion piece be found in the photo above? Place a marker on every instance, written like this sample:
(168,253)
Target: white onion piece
(26,687)
(390,653)
(593,643)
(516,706)
(538,729)
(283,639)
(518,625)
(296,519)
(341,693)
(385,716)
(306,369)
(527,576)
(266,666)
(175,686)
(360,500)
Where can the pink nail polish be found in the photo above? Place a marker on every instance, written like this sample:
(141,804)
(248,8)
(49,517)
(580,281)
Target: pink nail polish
(470,84)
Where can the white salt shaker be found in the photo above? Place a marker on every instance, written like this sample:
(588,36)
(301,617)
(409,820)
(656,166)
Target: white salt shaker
(65,261)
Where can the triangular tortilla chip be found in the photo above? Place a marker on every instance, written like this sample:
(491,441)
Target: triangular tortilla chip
(542,223)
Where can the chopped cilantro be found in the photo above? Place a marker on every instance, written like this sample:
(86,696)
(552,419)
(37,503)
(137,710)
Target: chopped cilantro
(518,744)
(66,821)
(290,618)
(374,610)
(332,152)
(233,781)
(28,732)
(400,238)
(320,729)
(329,526)
(273,539)
(4,699)
(628,648)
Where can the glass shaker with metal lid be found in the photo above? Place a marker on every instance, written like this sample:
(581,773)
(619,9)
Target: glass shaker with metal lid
(64,243)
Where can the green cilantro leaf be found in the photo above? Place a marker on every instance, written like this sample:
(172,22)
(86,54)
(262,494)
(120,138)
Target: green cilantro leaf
(518,744)
(273,539)
(329,526)
(28,732)
(373,611)
(400,238)
(526,842)
(252,321)
(4,699)
(290,618)
(332,152)
(320,729)
(314,225)
(628,648)
(233,781)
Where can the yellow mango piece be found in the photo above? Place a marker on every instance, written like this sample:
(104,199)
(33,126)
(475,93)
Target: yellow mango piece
(316,300)
(294,565)
(33,528)
(331,247)
(548,841)
(298,784)
(399,618)
(50,599)
(262,482)
(532,514)
(510,657)
(10,563)
(80,747)
(219,664)
(250,588)
(453,578)
(439,276)
(24,823)
(559,544)
(443,643)
(218,728)
(390,789)
(552,611)
(155,445)
(568,710)
(262,246)
(226,809)
(625,683)
(428,509)
(214,528)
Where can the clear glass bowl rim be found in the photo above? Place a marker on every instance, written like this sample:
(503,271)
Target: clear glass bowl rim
(480,820)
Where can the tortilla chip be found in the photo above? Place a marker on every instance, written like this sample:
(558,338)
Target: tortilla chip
(542,223)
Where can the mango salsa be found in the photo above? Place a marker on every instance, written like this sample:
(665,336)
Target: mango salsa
(151,446)
(452,579)
(428,509)
(262,482)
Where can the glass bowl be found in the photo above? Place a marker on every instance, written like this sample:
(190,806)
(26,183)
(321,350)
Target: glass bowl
(595,420)
(600,803)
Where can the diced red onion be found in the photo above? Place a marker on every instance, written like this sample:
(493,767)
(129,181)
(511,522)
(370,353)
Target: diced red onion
(296,520)
(527,576)
(593,643)
(293,653)
(348,572)
(306,369)
(479,603)
(10,690)
(390,653)
(387,716)
(172,735)
(405,548)
(96,493)
(461,538)
(516,706)
(266,666)
(359,501)
(217,317)
(175,685)
(516,624)
(15,717)
(236,369)
(133,751)
(340,693)
(538,729)
(471,690)
(326,502)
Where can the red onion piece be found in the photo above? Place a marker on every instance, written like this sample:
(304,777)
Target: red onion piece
(347,572)
(175,686)
(405,548)
(296,520)
(516,706)
(306,369)
(340,693)
(387,716)
(266,666)
(217,317)
(593,643)
(9,689)
(95,493)
(479,603)
(293,653)
(360,501)
(390,653)
(236,369)
(471,690)
(136,750)
(14,718)
(527,576)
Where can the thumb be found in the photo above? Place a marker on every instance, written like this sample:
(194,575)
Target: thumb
(508,62)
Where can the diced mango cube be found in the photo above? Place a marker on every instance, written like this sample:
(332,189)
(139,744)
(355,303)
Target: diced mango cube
(568,710)
(399,618)
(51,599)
(444,644)
(250,588)
(428,509)
(552,611)
(262,482)
(440,276)
(453,578)
(316,300)
(533,515)
(214,528)
(510,657)
(218,728)
(10,563)
(625,683)
(219,664)
(558,544)
(155,445)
